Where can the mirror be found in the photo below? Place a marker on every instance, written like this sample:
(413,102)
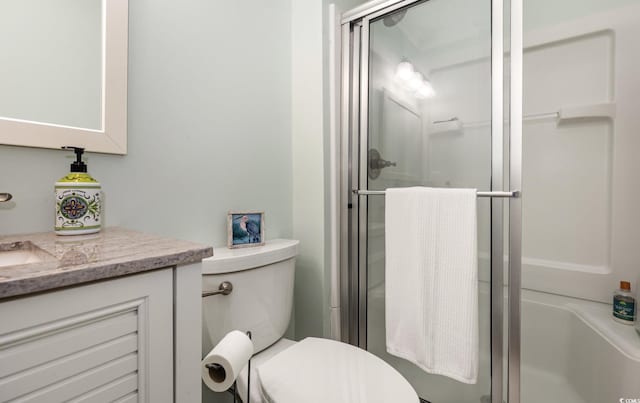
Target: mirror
(63,78)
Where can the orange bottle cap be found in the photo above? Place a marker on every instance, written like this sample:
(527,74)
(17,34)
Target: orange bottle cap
(625,285)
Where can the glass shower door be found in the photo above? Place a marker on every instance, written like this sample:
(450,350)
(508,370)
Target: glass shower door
(426,115)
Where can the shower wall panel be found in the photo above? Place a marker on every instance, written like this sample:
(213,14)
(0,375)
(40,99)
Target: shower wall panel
(567,163)
(580,174)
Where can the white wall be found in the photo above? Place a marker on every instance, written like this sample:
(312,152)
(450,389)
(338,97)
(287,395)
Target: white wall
(209,127)
(580,218)
(308,165)
(540,13)
(213,126)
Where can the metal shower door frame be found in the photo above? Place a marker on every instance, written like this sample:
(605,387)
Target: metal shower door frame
(353,211)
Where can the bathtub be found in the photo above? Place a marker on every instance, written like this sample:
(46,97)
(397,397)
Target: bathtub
(572,352)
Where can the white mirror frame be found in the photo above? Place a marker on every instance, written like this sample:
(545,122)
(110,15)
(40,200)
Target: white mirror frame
(112,138)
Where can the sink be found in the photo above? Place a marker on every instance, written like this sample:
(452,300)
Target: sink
(19,253)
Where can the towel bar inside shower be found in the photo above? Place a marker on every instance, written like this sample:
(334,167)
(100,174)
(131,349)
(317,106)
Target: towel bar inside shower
(511,193)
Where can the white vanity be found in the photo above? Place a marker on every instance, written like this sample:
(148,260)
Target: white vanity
(113,316)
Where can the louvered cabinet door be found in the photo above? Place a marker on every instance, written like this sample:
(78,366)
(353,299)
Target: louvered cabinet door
(110,341)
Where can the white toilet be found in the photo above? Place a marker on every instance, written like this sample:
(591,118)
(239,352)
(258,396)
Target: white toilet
(283,371)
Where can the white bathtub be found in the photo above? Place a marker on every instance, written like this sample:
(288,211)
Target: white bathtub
(572,352)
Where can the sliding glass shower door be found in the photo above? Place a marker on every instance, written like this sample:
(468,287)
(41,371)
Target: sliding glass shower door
(424,92)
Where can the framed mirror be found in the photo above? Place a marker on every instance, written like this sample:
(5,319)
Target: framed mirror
(63,75)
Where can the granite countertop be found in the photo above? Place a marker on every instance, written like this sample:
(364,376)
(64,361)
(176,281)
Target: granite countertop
(71,260)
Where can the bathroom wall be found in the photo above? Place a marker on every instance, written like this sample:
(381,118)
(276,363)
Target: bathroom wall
(308,165)
(580,216)
(212,127)
(209,127)
(310,133)
(540,13)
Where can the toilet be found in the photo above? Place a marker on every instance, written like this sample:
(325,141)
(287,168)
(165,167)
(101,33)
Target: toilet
(313,370)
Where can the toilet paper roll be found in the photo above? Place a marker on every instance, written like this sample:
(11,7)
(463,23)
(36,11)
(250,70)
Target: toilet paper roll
(229,356)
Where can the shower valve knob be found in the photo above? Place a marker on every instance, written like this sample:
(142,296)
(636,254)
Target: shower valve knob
(377,163)
(384,164)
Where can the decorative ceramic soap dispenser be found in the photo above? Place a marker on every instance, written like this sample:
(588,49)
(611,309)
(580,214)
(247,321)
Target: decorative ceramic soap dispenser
(78,200)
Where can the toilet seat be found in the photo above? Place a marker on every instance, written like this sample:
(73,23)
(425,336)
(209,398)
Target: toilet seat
(256,362)
(320,371)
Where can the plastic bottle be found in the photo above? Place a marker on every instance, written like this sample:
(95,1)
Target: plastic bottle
(637,297)
(624,304)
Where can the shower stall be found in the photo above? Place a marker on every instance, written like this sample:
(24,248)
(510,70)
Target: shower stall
(532,103)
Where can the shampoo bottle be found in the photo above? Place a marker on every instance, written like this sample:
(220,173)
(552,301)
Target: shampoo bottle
(637,298)
(624,304)
(78,200)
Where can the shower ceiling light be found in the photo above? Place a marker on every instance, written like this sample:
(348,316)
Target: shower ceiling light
(425,91)
(404,71)
(413,81)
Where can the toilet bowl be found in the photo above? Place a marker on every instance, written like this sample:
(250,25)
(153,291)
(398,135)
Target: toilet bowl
(283,371)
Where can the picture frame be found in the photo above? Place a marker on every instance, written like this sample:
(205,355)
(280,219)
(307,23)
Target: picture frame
(245,229)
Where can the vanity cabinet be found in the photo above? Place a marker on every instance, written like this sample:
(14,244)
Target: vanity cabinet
(111,317)
(106,341)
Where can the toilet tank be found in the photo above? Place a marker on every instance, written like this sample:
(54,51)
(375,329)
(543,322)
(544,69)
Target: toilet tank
(262,295)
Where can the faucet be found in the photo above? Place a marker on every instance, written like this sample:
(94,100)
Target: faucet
(5,197)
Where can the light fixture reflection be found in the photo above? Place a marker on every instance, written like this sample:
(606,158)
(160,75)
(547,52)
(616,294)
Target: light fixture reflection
(425,91)
(404,71)
(413,81)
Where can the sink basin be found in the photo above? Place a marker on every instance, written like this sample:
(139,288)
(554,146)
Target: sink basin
(19,253)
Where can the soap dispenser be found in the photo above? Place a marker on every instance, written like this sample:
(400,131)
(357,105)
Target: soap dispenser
(78,200)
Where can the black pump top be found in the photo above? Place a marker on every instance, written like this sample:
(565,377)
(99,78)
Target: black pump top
(77,165)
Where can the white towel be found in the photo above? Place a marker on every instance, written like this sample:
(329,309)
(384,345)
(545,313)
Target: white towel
(432,279)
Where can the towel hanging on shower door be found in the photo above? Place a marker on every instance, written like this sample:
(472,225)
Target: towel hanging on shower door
(431,270)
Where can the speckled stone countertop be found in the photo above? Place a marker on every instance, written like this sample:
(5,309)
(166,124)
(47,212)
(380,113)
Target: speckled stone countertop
(71,260)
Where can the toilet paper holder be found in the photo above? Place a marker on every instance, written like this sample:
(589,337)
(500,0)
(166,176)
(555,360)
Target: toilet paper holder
(225,288)
(217,367)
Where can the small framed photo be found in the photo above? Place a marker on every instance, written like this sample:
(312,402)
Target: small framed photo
(245,229)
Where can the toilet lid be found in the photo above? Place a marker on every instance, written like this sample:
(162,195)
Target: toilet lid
(321,371)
